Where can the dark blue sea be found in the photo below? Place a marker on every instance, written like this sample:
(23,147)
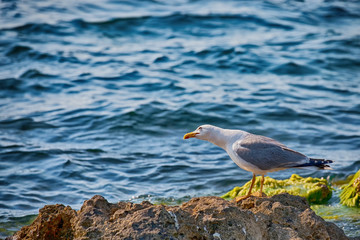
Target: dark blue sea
(95,96)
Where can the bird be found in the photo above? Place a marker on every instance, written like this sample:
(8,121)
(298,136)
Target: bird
(255,153)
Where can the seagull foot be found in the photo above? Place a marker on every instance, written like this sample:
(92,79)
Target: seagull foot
(255,194)
(238,199)
(259,194)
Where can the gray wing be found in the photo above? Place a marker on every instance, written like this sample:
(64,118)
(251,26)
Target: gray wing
(266,153)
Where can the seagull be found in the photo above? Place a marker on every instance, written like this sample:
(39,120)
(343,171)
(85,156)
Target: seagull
(255,153)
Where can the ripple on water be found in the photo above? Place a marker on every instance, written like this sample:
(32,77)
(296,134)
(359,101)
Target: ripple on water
(292,68)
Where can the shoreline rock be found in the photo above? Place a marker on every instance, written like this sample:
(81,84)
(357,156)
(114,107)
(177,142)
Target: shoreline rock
(282,216)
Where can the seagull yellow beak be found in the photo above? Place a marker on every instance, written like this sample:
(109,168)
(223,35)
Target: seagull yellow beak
(190,135)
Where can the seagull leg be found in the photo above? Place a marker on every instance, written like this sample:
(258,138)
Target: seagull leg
(261,194)
(249,193)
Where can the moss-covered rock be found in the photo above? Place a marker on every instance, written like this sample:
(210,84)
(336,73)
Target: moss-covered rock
(315,190)
(350,195)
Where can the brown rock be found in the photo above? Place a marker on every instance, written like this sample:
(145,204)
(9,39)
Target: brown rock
(53,222)
(280,217)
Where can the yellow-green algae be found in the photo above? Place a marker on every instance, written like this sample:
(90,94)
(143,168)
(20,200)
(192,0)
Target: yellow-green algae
(350,195)
(337,212)
(315,190)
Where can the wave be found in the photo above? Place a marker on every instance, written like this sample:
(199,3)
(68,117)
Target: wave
(176,19)
(24,124)
(292,68)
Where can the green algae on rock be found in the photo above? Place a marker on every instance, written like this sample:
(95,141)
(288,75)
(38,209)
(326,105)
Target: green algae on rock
(315,190)
(350,195)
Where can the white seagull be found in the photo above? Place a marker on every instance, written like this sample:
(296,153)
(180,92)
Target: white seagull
(255,153)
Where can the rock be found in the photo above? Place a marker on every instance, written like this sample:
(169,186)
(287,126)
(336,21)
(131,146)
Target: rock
(53,222)
(290,217)
(350,195)
(279,217)
(315,190)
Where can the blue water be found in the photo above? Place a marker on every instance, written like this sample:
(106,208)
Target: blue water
(95,96)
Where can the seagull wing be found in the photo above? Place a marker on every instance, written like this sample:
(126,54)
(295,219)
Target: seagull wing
(267,153)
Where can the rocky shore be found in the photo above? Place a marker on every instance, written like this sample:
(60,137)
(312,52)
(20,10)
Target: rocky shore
(282,216)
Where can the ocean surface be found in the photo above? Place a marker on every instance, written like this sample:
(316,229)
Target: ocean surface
(95,96)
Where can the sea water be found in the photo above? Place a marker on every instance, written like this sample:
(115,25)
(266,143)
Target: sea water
(95,96)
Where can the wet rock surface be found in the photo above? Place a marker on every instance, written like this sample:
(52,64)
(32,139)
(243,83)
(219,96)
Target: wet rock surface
(282,216)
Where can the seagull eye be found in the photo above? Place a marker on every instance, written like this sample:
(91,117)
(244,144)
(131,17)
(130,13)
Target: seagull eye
(200,128)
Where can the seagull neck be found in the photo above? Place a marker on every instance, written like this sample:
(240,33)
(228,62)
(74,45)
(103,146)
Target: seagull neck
(221,138)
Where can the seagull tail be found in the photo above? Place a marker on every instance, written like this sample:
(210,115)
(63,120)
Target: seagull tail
(319,163)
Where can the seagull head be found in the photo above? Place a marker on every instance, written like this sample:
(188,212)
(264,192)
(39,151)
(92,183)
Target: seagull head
(203,132)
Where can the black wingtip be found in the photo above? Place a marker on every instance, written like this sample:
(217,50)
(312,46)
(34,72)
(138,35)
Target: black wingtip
(320,163)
